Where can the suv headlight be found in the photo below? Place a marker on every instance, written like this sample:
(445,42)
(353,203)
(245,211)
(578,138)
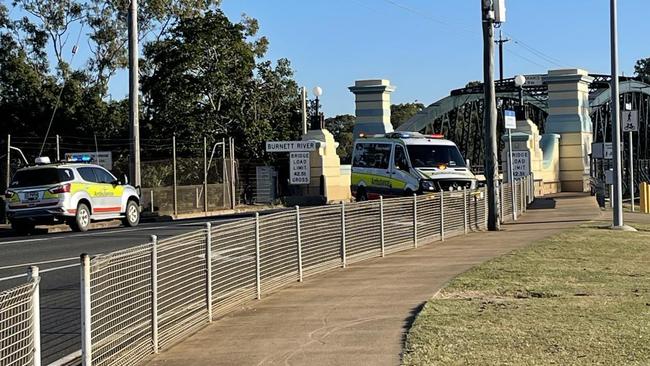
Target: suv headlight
(427,185)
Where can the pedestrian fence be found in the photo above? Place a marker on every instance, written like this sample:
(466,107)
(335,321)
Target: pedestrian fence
(141,300)
(20,323)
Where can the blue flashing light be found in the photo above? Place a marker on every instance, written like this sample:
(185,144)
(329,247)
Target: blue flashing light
(80,158)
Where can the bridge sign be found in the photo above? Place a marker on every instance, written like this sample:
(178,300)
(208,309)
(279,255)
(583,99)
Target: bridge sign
(299,169)
(630,121)
(291,146)
(520,163)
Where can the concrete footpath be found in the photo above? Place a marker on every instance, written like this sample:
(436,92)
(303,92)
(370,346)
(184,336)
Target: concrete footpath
(360,315)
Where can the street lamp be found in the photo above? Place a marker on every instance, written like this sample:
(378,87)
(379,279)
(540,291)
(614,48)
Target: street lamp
(316,122)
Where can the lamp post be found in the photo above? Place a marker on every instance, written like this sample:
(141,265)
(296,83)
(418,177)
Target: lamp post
(316,122)
(520,80)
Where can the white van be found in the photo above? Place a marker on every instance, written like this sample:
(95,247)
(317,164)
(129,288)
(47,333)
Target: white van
(403,163)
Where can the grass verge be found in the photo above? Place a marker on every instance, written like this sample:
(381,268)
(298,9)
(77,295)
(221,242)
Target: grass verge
(580,297)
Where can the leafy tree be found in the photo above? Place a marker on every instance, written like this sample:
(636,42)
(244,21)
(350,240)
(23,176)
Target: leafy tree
(642,69)
(203,80)
(341,127)
(400,113)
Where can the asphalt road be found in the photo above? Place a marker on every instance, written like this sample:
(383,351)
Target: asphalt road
(57,256)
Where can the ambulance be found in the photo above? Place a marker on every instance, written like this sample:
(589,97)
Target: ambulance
(407,163)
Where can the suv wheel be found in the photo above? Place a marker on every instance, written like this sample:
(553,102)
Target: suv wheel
(22,227)
(81,220)
(132,214)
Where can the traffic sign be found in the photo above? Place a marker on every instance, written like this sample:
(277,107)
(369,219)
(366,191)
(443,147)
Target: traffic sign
(510,119)
(630,121)
(299,168)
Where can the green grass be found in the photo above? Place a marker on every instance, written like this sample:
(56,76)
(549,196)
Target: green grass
(578,298)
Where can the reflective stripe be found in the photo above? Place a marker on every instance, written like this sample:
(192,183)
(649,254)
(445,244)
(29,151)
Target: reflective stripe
(107,209)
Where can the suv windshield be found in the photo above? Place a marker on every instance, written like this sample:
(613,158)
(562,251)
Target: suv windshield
(432,156)
(40,177)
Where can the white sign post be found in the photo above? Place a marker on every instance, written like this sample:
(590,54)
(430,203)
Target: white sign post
(630,123)
(511,123)
(299,168)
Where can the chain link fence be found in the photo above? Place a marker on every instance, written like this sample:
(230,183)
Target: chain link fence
(144,299)
(20,323)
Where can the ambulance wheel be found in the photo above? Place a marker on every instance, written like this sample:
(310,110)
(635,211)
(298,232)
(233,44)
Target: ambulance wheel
(22,227)
(132,214)
(362,195)
(81,220)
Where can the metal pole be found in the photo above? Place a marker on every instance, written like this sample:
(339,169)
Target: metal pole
(58,149)
(299,243)
(343,257)
(232,173)
(304,110)
(208,269)
(36,315)
(154,292)
(257,256)
(415,220)
(133,93)
(381,225)
(175,183)
(442,215)
(151,199)
(224,175)
(501,198)
(86,320)
(617,199)
(205,174)
(631,172)
(511,177)
(465,225)
(196,196)
(8,166)
(490,119)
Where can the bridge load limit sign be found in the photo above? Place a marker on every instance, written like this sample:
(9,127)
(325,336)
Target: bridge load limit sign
(299,169)
(520,164)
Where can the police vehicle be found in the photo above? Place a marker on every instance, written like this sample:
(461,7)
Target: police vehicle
(73,192)
(404,163)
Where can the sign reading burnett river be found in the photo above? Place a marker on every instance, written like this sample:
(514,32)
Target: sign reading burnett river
(289,146)
(520,164)
(299,168)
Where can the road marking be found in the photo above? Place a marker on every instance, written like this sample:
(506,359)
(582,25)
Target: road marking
(42,262)
(41,271)
(109,231)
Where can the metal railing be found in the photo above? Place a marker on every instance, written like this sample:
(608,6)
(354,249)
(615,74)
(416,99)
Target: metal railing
(140,300)
(20,323)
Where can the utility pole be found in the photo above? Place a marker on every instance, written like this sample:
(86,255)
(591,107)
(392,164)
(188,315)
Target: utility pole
(490,116)
(617,198)
(501,41)
(134,161)
(58,149)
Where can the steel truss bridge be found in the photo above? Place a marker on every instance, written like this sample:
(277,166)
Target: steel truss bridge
(460,115)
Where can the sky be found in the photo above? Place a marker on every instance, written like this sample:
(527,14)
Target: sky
(427,48)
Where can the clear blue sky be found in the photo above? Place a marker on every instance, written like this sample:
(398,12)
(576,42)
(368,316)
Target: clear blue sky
(428,47)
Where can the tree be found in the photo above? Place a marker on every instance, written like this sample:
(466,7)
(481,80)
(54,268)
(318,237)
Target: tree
(341,127)
(642,69)
(400,113)
(203,80)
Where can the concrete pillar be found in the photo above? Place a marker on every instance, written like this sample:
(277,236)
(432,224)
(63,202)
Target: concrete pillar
(372,106)
(568,102)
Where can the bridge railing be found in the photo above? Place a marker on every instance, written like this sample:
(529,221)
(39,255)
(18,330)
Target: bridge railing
(20,323)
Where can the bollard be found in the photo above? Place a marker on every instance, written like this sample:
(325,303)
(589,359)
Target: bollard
(644,198)
(151,200)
